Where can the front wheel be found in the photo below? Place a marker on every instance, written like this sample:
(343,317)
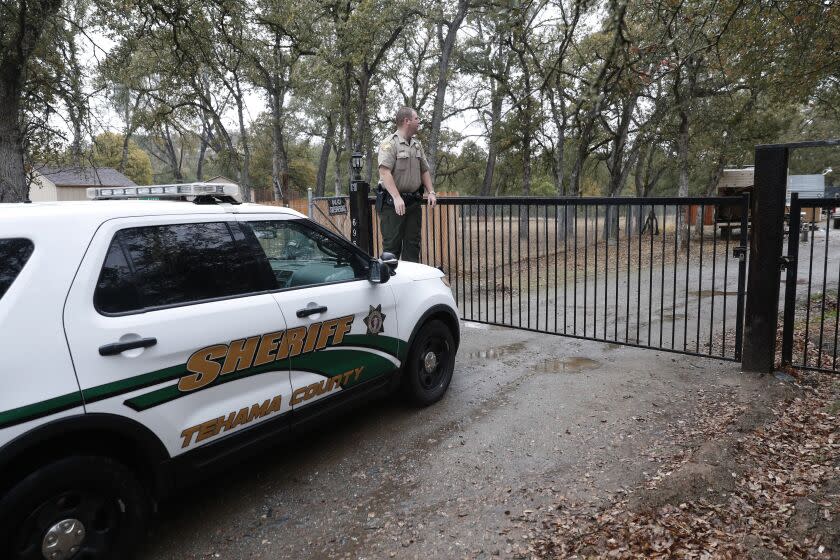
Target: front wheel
(431,361)
(77,508)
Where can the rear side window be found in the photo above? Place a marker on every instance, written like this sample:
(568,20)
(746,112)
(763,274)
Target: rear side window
(156,266)
(13,256)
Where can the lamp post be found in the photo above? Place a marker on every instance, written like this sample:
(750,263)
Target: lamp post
(360,223)
(356,164)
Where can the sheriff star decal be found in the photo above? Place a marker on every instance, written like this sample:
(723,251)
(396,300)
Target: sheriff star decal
(375,320)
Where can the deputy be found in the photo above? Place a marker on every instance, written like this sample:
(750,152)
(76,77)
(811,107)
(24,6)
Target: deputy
(404,174)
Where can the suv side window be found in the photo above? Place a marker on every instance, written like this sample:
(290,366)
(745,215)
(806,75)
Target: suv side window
(156,266)
(303,256)
(14,253)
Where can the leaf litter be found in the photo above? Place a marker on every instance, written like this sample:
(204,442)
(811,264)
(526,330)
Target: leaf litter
(767,492)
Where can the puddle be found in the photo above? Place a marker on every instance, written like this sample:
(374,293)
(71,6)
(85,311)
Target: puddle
(573,364)
(710,293)
(613,346)
(498,352)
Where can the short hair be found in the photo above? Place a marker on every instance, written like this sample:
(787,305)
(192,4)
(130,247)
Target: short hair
(402,114)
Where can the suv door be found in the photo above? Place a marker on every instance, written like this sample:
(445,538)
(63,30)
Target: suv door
(342,327)
(170,321)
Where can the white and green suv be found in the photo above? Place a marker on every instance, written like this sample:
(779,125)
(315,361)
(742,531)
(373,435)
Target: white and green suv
(141,341)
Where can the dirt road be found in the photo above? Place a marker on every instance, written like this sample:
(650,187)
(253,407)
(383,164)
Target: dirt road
(529,420)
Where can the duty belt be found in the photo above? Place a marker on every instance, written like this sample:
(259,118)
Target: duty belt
(384,198)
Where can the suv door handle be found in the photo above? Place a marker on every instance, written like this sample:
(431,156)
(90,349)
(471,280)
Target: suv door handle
(307,311)
(118,347)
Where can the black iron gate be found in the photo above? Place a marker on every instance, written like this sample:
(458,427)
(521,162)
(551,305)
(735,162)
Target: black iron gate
(810,323)
(660,273)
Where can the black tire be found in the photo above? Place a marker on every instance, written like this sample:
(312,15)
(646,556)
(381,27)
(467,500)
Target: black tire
(100,493)
(425,387)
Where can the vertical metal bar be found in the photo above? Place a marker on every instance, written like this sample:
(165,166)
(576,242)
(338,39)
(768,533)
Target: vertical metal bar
(545,229)
(464,258)
(836,306)
(528,253)
(472,277)
(536,268)
(687,269)
(424,215)
(714,270)
(574,303)
(726,285)
(650,278)
(503,258)
(486,267)
(702,219)
(676,262)
(617,266)
(595,282)
(436,235)
(477,213)
(510,256)
(629,219)
(519,259)
(565,266)
(556,272)
(607,229)
(449,267)
(495,291)
(585,265)
(822,308)
(808,301)
(662,278)
(639,277)
(459,263)
(742,273)
(790,280)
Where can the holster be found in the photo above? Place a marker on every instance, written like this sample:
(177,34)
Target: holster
(380,198)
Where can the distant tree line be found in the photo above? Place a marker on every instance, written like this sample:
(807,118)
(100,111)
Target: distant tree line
(547,97)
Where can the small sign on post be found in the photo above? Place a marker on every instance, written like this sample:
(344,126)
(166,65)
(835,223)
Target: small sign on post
(337,205)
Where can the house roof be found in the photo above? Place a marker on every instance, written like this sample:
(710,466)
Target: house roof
(85,176)
(220,179)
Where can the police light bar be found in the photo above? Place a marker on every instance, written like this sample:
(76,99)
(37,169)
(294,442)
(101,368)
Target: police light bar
(163,191)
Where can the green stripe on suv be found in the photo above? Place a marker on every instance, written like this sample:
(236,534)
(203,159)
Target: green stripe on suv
(321,362)
(40,409)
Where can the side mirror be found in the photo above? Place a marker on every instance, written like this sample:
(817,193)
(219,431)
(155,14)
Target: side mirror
(390,260)
(378,273)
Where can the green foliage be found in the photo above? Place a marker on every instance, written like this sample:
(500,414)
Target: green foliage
(108,152)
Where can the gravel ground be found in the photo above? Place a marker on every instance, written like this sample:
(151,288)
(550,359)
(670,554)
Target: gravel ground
(530,421)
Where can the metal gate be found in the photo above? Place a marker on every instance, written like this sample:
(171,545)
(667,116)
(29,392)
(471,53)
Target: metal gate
(609,269)
(810,320)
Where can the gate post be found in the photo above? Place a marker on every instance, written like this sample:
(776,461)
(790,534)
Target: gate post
(766,241)
(360,223)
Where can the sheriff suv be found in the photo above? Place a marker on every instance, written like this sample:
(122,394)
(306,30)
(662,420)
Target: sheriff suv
(145,339)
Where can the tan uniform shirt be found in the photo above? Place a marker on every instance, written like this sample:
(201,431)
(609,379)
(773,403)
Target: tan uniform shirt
(406,161)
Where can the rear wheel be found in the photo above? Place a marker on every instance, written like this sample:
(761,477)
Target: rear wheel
(79,508)
(431,361)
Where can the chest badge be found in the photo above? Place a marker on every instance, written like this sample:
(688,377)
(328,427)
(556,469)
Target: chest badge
(375,320)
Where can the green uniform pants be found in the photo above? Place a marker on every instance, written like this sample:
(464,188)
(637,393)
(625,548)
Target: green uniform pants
(401,234)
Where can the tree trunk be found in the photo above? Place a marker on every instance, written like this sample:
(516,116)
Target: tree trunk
(245,169)
(442,82)
(324,160)
(337,167)
(682,184)
(279,158)
(493,145)
(13,187)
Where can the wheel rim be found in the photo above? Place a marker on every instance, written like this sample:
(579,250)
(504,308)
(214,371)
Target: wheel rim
(97,516)
(433,361)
